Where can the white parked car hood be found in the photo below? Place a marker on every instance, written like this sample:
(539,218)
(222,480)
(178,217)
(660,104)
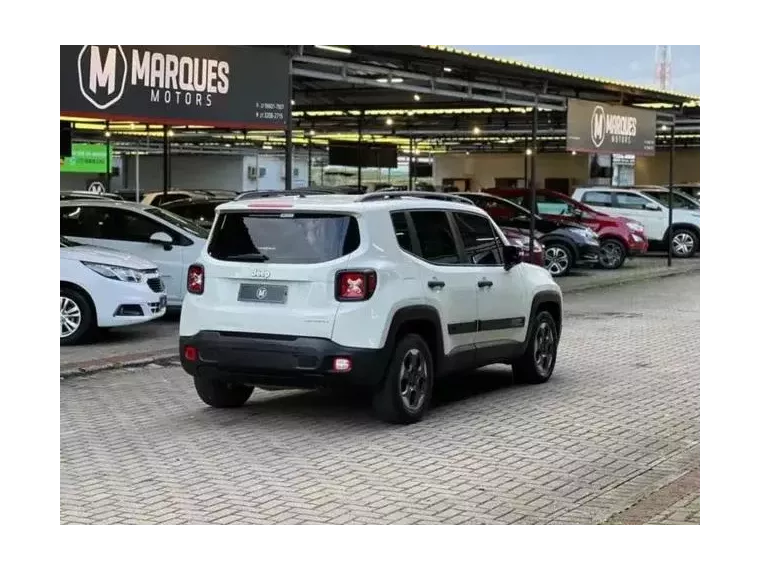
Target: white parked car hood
(106,256)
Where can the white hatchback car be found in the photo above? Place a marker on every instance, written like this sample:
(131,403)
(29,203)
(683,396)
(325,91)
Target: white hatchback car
(172,243)
(105,288)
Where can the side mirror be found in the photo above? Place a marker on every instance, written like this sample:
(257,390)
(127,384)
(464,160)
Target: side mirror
(163,239)
(512,256)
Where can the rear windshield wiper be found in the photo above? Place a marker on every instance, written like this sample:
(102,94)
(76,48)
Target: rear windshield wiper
(247,257)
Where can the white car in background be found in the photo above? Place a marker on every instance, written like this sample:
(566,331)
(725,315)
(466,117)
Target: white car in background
(650,213)
(170,242)
(102,288)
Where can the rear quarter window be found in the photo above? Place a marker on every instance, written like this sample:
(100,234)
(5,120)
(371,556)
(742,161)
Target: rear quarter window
(283,237)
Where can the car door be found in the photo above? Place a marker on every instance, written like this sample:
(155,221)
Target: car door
(451,286)
(130,231)
(647,211)
(500,293)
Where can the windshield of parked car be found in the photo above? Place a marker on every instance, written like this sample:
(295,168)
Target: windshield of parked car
(178,221)
(680,201)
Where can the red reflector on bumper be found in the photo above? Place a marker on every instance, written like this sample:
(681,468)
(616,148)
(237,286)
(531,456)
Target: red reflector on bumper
(191,353)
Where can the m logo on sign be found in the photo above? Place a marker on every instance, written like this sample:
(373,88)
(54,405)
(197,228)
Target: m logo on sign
(597,126)
(102,74)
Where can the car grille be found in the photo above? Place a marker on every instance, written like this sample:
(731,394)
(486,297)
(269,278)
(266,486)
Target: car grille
(156,284)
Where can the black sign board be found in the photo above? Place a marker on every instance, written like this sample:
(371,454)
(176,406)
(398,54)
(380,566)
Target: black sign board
(601,128)
(243,87)
(366,154)
(421,169)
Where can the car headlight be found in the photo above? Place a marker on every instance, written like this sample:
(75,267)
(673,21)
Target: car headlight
(634,227)
(115,272)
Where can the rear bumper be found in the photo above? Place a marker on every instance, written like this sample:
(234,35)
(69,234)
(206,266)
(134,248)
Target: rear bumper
(298,362)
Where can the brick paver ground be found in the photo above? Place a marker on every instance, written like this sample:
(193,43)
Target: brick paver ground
(618,422)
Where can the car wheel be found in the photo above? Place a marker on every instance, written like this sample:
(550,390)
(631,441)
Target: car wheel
(77,318)
(558,259)
(611,254)
(407,388)
(684,243)
(219,393)
(536,365)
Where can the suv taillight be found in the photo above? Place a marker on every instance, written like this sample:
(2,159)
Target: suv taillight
(195,279)
(355,285)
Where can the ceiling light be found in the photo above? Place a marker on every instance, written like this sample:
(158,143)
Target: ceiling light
(416,97)
(170,133)
(389,121)
(312,132)
(664,127)
(476,131)
(107,134)
(574,153)
(447,70)
(510,140)
(528,151)
(334,48)
(292,102)
(467,153)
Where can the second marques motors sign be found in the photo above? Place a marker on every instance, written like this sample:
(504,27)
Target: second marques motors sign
(601,128)
(222,86)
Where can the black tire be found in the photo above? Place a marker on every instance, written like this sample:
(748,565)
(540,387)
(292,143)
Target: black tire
(76,304)
(558,259)
(526,369)
(612,254)
(684,243)
(390,405)
(219,393)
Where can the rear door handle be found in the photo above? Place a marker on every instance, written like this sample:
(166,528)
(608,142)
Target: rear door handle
(485,283)
(435,284)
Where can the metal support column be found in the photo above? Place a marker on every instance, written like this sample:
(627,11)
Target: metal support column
(670,193)
(526,182)
(289,130)
(137,176)
(108,157)
(533,156)
(361,154)
(308,176)
(167,159)
(411,158)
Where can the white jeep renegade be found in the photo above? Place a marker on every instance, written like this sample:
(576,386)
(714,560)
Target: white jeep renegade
(387,291)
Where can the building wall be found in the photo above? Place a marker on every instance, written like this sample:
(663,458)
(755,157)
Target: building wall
(197,172)
(655,169)
(483,169)
(274,178)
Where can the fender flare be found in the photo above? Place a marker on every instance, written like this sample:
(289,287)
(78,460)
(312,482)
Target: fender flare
(546,296)
(415,313)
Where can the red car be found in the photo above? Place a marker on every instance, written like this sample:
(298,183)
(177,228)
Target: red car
(619,238)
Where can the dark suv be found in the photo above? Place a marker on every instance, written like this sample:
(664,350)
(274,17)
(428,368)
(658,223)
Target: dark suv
(567,244)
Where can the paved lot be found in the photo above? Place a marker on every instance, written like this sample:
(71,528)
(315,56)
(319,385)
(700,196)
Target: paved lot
(159,338)
(618,422)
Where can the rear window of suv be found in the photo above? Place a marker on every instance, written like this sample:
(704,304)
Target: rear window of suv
(283,237)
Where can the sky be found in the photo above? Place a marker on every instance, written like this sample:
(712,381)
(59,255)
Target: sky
(635,64)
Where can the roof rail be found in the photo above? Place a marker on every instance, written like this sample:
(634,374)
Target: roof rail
(271,193)
(380,195)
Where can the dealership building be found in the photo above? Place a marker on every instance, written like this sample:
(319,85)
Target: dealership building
(150,118)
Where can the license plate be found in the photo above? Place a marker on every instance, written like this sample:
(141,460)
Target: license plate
(263,293)
(162,301)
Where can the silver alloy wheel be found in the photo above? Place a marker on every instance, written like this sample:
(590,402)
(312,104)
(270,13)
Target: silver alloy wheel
(71,317)
(413,380)
(543,349)
(683,244)
(610,254)
(556,260)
